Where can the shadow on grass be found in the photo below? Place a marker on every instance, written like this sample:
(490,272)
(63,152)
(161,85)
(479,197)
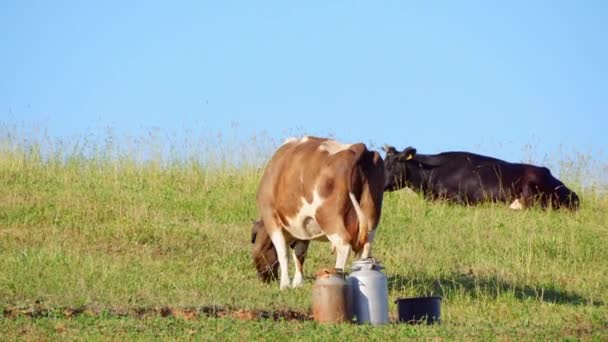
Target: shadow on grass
(39,310)
(487,287)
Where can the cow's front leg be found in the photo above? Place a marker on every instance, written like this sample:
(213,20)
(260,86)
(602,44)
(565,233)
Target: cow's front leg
(278,240)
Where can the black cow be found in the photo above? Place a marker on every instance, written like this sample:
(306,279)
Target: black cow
(469,178)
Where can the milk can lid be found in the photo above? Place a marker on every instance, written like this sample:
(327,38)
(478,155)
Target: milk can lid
(328,272)
(366,264)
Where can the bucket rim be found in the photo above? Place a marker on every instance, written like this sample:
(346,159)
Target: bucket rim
(411,299)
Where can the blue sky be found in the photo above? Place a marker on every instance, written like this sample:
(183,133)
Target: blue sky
(484,76)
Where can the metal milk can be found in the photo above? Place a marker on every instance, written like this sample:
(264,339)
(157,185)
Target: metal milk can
(329,295)
(368,288)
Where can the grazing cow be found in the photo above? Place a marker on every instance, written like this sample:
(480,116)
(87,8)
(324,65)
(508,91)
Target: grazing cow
(316,188)
(265,255)
(469,178)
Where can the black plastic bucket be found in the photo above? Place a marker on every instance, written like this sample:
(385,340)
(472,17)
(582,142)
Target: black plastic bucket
(419,310)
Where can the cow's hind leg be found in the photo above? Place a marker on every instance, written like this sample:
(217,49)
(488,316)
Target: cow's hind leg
(298,278)
(299,249)
(367,248)
(342,248)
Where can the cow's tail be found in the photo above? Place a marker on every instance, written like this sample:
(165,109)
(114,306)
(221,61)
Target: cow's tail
(356,187)
(363,223)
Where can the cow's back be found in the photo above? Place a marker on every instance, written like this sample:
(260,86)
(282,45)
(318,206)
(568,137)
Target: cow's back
(291,174)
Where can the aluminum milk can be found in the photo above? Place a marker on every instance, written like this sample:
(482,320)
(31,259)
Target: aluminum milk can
(368,288)
(329,294)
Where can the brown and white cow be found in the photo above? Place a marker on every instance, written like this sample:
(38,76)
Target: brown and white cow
(315,188)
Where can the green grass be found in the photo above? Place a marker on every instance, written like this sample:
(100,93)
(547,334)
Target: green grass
(112,232)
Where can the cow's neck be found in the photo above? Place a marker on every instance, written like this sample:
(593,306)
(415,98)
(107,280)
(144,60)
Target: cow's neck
(418,177)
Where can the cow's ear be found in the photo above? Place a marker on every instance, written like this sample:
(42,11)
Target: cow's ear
(255,228)
(389,149)
(408,153)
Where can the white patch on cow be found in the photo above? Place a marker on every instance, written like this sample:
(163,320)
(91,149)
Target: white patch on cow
(289,141)
(296,140)
(516,205)
(342,249)
(333,146)
(304,225)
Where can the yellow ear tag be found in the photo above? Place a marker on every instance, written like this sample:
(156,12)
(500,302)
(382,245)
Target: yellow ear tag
(409,156)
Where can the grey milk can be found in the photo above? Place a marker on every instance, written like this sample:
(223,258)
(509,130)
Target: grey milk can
(368,289)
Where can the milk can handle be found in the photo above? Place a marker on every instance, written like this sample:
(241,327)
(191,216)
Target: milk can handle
(376,265)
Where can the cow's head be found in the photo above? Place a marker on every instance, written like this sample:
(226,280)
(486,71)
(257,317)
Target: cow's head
(264,254)
(565,198)
(395,167)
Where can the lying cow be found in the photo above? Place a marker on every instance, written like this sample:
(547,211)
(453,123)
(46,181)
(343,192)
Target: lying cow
(470,178)
(316,188)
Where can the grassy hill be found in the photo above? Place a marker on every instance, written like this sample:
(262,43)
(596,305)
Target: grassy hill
(105,246)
